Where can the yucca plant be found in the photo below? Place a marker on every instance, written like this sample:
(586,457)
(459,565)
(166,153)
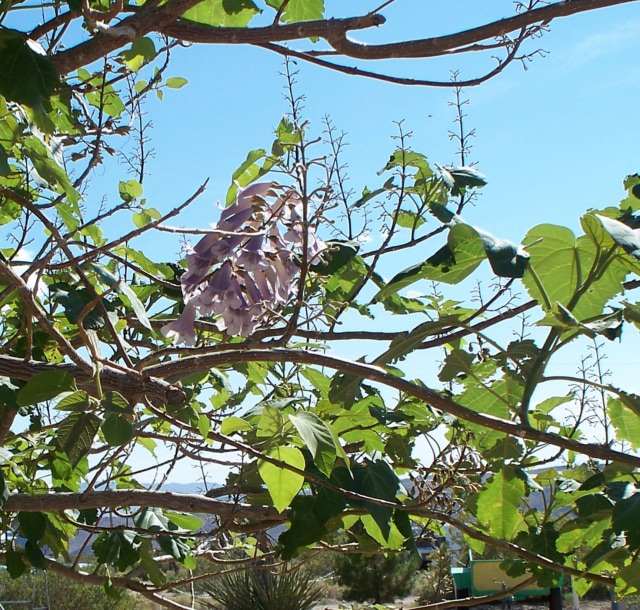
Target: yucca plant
(261,589)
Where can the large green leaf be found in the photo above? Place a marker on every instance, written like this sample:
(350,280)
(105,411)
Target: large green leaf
(283,484)
(565,268)
(625,421)
(45,386)
(223,13)
(26,75)
(318,439)
(498,507)
(117,429)
(76,433)
(377,480)
(451,264)
(299,10)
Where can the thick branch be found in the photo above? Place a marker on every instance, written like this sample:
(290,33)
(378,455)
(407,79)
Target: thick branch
(165,20)
(191,503)
(142,23)
(444,45)
(132,385)
(376,374)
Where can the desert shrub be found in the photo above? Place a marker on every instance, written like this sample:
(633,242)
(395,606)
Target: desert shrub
(381,578)
(63,593)
(261,589)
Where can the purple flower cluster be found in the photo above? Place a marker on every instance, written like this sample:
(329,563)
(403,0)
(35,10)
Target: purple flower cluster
(244,270)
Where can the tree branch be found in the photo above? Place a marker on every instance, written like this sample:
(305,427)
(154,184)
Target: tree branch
(133,385)
(165,20)
(376,374)
(115,498)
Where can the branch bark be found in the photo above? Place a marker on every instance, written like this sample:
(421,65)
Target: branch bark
(165,20)
(376,374)
(133,385)
(191,503)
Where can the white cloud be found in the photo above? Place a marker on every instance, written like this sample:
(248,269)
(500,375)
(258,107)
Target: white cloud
(605,43)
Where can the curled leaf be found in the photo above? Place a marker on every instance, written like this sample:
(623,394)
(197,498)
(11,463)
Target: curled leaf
(626,237)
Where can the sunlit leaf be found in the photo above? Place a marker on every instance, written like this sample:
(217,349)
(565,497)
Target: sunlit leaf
(223,13)
(283,484)
(625,421)
(498,506)
(317,437)
(141,52)
(129,190)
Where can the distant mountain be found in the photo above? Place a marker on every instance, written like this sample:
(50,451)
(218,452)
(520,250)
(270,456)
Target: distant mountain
(189,488)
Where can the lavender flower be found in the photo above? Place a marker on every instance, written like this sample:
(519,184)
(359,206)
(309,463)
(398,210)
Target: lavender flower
(244,270)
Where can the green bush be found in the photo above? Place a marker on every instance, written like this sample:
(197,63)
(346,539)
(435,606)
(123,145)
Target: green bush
(381,578)
(63,593)
(260,589)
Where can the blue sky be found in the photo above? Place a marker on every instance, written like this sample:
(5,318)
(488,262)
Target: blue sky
(553,141)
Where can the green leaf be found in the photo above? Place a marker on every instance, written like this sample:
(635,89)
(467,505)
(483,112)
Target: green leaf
(53,174)
(34,555)
(625,421)
(249,171)
(299,10)
(126,291)
(282,484)
(130,190)
(561,265)
(223,13)
(498,507)
(74,301)
(117,429)
(76,433)
(184,521)
(4,490)
(141,52)
(233,424)
(26,76)
(115,402)
(406,342)
(45,386)
(318,439)
(15,565)
(176,82)
(465,177)
(119,549)
(145,217)
(32,525)
(451,264)
(336,257)
(625,518)
(76,401)
(626,237)
(507,259)
(377,480)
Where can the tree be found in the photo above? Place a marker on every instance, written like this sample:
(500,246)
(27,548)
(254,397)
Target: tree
(230,354)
